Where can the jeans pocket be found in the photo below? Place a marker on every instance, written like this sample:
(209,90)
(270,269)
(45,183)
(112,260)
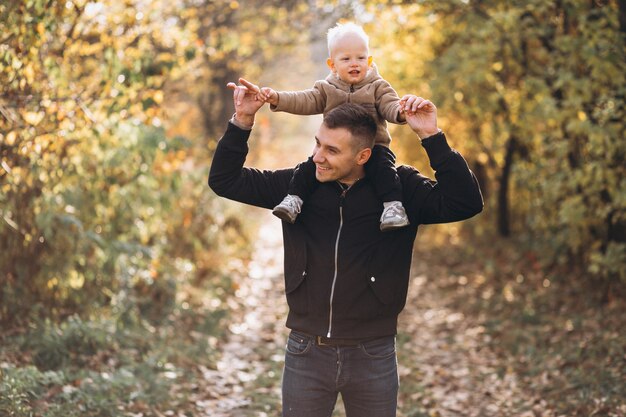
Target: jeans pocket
(298,343)
(380,348)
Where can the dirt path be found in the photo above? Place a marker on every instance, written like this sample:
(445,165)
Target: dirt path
(445,368)
(444,358)
(247,379)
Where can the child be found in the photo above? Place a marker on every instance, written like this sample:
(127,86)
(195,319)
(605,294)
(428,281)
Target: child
(355,79)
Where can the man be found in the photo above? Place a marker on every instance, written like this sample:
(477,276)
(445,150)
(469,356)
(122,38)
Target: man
(345,280)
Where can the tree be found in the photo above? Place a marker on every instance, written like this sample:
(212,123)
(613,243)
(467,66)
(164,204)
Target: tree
(542,87)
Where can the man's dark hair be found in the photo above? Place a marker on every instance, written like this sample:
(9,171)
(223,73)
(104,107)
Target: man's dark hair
(355,119)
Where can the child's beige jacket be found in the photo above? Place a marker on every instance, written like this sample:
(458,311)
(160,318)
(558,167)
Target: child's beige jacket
(374,93)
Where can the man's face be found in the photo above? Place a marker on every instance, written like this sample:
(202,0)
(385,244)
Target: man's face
(350,59)
(335,156)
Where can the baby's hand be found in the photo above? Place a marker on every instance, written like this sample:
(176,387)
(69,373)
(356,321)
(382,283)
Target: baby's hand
(402,109)
(268,95)
(405,105)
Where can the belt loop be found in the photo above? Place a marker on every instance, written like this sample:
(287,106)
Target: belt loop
(318,339)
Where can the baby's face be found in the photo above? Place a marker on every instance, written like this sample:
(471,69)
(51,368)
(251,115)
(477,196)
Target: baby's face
(349,58)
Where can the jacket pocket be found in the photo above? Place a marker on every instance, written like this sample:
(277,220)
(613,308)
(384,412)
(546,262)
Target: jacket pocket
(389,275)
(367,299)
(382,290)
(297,293)
(295,269)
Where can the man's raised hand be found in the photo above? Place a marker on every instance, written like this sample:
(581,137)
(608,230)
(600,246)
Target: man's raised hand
(246,100)
(421,115)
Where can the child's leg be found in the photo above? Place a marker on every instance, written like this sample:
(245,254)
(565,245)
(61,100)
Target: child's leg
(301,185)
(381,168)
(303,181)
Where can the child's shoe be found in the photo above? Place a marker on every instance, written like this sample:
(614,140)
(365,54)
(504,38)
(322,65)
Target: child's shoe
(289,208)
(393,217)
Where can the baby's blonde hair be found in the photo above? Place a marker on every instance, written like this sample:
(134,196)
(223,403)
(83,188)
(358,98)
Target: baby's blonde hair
(341,29)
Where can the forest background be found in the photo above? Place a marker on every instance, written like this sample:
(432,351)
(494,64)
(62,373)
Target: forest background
(118,264)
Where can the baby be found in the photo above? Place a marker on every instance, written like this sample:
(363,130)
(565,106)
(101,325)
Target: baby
(353,78)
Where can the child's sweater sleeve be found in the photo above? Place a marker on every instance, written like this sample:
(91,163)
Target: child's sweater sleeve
(304,102)
(388,102)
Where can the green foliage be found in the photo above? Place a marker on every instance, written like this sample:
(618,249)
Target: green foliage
(98,205)
(27,390)
(56,346)
(19,386)
(534,94)
(112,247)
(24,390)
(65,218)
(101,367)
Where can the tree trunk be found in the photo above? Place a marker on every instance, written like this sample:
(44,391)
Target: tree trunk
(504,226)
(622,16)
(216,103)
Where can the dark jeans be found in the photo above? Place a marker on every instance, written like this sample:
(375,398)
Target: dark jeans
(381,169)
(366,376)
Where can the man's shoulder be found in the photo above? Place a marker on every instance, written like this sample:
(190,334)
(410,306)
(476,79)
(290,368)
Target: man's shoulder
(406,170)
(409,175)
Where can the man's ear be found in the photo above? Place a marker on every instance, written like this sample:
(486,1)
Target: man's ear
(370,59)
(331,64)
(363,156)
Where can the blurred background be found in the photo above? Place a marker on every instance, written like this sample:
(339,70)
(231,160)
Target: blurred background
(119,266)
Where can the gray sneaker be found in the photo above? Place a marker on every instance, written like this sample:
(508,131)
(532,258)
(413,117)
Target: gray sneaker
(393,217)
(289,208)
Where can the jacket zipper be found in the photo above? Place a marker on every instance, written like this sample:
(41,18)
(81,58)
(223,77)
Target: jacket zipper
(332,288)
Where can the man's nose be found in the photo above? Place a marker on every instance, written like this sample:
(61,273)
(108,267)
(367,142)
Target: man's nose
(317,157)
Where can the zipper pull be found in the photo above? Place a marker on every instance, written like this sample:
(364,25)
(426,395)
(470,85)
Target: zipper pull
(352,88)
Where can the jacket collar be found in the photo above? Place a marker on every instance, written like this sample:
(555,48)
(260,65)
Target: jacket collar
(372,75)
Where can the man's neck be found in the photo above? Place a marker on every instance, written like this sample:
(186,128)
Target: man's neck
(347,183)
(357,176)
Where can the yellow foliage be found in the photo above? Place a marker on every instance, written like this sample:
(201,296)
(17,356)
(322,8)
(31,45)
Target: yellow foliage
(33,118)
(11,137)
(29,73)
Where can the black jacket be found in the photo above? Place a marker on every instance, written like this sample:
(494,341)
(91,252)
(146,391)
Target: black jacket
(343,277)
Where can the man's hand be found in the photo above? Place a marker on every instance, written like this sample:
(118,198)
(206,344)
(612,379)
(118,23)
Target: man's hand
(247,101)
(420,114)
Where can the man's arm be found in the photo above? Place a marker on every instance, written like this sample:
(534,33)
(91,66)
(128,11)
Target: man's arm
(228,177)
(456,194)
